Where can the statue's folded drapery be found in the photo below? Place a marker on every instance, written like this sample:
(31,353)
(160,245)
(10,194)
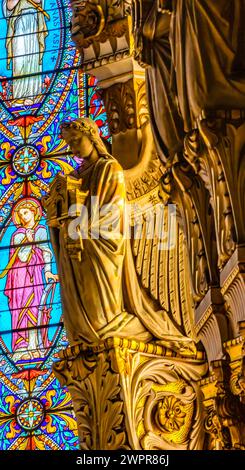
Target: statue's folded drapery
(208,49)
(195,51)
(166,122)
(101,294)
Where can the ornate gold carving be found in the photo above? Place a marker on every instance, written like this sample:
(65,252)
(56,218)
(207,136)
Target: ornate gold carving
(128,120)
(187,191)
(99,410)
(70,368)
(217,158)
(171,409)
(142,114)
(126,105)
(230,280)
(225,414)
(134,395)
(204,319)
(211,170)
(146,183)
(224,139)
(236,352)
(94,23)
(120,106)
(90,15)
(101,61)
(97,403)
(161,399)
(218,438)
(171,414)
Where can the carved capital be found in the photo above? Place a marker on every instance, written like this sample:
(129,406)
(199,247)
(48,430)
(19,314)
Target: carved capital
(131,395)
(128,120)
(126,105)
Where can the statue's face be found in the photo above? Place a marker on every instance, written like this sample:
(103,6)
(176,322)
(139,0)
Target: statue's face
(80,144)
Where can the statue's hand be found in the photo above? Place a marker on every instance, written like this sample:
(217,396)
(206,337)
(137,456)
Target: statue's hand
(53,277)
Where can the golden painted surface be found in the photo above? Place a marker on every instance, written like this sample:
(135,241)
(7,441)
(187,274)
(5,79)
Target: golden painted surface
(134,395)
(104,284)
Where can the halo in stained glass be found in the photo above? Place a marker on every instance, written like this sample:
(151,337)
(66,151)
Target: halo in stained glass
(30,414)
(40,87)
(25,160)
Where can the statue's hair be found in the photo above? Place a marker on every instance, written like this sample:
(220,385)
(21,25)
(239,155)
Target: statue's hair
(89,128)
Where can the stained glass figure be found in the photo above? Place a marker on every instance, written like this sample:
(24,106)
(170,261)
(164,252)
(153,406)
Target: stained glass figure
(28,270)
(40,86)
(25,44)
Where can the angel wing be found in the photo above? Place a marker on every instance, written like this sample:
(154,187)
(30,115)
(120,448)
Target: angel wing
(157,240)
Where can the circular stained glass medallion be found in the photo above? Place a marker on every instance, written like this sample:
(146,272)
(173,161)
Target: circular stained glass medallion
(26,160)
(30,414)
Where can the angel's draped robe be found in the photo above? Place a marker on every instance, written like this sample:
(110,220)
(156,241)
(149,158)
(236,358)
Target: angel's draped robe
(208,46)
(197,65)
(100,293)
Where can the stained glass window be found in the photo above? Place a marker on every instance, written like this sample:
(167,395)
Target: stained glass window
(40,86)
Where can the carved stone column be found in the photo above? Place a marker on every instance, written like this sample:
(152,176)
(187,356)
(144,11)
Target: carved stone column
(131,395)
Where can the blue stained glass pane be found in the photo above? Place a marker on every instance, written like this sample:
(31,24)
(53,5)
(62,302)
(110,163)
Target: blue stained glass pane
(32,405)
(40,87)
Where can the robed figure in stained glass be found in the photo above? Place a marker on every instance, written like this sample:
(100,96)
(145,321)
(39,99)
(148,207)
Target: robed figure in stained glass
(25,46)
(30,257)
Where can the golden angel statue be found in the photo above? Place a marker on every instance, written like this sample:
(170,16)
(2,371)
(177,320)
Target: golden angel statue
(102,269)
